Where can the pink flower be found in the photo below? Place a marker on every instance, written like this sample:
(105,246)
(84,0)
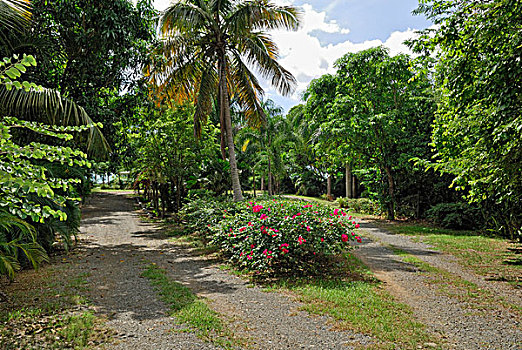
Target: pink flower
(242,229)
(285,251)
(268,209)
(252,246)
(357,225)
(274,230)
(344,237)
(301,240)
(249,257)
(257,208)
(298,214)
(308,228)
(358,239)
(307,206)
(336,211)
(264,251)
(249,223)
(263,216)
(283,245)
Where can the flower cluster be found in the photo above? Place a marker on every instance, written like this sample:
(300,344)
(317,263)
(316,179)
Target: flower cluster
(279,234)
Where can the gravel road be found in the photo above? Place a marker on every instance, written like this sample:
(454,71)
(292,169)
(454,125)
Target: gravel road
(115,248)
(462,325)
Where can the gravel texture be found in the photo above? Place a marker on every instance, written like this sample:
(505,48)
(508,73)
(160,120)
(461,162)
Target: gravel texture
(115,248)
(461,324)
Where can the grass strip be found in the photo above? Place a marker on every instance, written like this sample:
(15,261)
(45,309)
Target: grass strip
(360,305)
(188,309)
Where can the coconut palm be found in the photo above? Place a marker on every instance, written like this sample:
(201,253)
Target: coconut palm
(207,56)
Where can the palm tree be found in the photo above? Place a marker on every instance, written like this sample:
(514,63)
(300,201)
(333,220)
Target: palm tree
(208,51)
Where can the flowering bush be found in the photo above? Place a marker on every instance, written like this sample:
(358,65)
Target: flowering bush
(282,235)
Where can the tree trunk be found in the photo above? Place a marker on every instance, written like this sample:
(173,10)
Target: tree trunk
(391,193)
(254,184)
(329,187)
(270,190)
(225,109)
(349,180)
(354,187)
(262,182)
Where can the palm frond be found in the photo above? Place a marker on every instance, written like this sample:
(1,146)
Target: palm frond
(259,51)
(261,14)
(33,252)
(48,106)
(15,14)
(247,91)
(185,16)
(206,94)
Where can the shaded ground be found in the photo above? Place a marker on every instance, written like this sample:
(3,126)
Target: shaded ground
(116,247)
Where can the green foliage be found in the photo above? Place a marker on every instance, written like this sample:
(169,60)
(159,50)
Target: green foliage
(281,236)
(360,205)
(455,216)
(36,197)
(169,159)
(478,127)
(209,72)
(372,114)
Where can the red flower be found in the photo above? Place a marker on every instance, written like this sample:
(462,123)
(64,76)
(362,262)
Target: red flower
(257,208)
(322,239)
(263,216)
(357,225)
(344,237)
(308,228)
(301,240)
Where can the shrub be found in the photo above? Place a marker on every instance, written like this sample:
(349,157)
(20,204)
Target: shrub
(454,215)
(360,205)
(277,236)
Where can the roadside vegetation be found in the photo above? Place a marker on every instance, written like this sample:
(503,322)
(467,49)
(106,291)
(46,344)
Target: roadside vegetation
(170,105)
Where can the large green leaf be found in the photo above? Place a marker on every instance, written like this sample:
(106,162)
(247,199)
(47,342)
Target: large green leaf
(48,106)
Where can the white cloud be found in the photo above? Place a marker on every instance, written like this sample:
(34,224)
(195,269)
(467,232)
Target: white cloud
(304,55)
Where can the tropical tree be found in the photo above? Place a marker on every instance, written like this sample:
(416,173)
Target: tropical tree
(207,55)
(478,126)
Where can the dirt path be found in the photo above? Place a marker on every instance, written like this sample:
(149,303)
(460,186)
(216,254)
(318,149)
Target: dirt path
(465,324)
(116,247)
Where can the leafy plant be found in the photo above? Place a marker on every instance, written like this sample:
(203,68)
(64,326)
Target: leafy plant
(275,236)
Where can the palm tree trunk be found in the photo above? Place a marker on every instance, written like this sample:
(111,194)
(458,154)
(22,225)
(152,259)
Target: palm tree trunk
(225,109)
(270,191)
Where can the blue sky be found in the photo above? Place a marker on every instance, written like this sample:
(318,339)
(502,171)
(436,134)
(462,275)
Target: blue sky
(331,29)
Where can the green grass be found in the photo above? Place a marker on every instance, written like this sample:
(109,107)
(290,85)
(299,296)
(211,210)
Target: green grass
(494,257)
(360,304)
(191,310)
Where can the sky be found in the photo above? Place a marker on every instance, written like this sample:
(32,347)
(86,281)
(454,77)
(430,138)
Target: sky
(330,29)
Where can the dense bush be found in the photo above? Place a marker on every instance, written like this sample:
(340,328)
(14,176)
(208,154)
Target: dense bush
(272,235)
(454,215)
(360,205)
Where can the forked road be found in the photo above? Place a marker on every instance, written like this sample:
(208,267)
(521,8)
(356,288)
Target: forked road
(117,246)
